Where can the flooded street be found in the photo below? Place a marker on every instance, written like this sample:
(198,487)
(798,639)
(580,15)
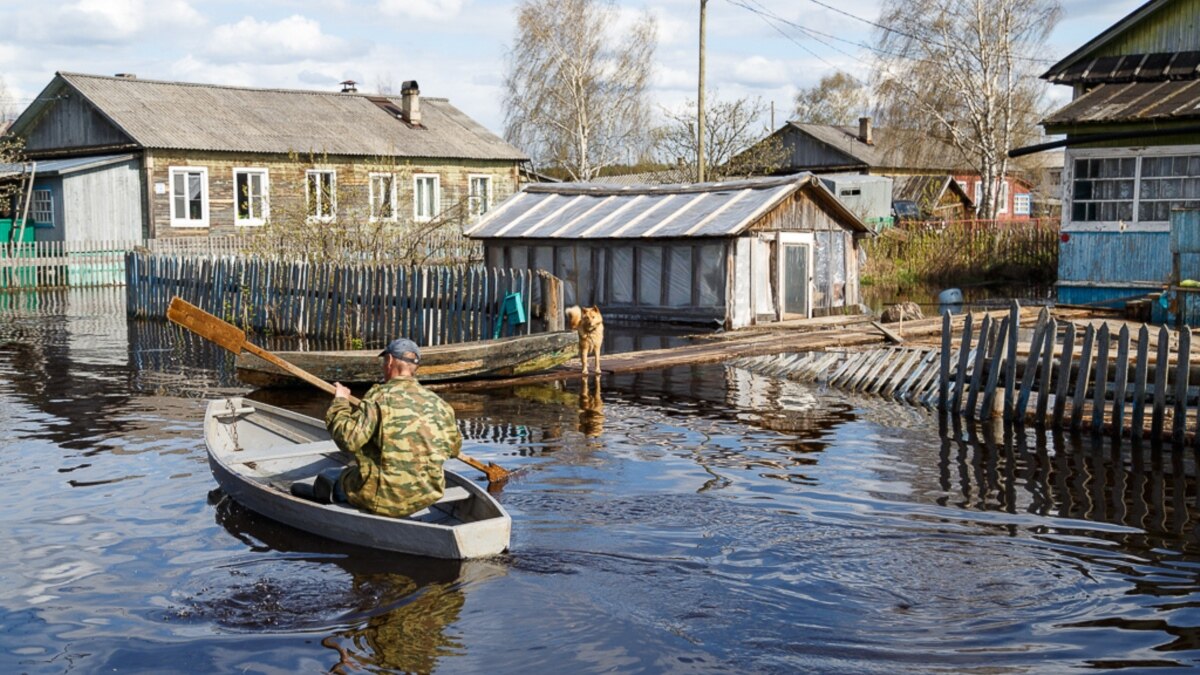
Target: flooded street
(694,520)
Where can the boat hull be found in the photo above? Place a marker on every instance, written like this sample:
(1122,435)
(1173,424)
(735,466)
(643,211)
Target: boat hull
(505,357)
(256,451)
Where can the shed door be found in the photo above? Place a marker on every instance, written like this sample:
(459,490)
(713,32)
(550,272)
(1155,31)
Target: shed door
(795,279)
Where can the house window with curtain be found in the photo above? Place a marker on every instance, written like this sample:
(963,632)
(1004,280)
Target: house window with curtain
(189,196)
(383,197)
(481,194)
(42,209)
(426,197)
(251,196)
(321,194)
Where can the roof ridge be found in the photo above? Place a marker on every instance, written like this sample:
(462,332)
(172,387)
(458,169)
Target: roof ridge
(281,90)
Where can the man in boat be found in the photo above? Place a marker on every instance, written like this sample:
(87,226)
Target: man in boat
(399,436)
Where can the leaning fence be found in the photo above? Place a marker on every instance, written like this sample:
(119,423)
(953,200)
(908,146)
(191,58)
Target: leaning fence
(59,264)
(348,303)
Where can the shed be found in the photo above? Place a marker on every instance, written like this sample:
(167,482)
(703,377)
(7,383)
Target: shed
(870,197)
(729,253)
(83,198)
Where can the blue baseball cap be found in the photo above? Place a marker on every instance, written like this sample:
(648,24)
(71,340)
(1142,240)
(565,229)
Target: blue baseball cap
(398,348)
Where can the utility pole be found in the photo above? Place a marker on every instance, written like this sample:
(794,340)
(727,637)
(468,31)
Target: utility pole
(700,103)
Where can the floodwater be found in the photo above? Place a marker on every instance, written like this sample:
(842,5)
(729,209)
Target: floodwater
(688,521)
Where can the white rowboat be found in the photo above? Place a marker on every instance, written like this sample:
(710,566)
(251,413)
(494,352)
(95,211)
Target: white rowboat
(256,451)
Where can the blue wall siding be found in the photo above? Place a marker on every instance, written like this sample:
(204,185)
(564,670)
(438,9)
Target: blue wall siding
(1115,257)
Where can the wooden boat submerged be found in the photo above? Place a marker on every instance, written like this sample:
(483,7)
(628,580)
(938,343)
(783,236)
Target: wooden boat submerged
(503,357)
(256,451)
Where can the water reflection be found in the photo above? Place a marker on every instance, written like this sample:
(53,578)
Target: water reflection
(396,612)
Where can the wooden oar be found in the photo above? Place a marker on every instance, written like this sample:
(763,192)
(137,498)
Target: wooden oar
(233,339)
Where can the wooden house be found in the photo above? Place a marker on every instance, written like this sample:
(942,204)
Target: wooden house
(210,159)
(1132,151)
(731,254)
(897,153)
(938,197)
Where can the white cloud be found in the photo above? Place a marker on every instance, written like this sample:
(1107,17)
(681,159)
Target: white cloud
(433,10)
(114,22)
(291,39)
(761,71)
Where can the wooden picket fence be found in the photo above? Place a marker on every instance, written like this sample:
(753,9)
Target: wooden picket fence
(965,250)
(347,304)
(61,264)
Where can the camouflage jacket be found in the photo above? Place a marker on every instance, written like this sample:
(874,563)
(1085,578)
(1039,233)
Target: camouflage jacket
(400,436)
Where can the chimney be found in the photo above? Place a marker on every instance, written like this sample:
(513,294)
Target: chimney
(348,87)
(864,130)
(411,102)
(126,76)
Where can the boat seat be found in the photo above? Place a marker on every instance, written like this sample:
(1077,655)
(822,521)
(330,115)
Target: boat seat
(287,451)
(427,514)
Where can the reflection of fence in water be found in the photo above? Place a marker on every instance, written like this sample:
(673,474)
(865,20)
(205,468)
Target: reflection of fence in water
(1145,487)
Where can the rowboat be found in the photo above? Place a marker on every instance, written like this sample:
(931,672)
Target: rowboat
(256,451)
(503,357)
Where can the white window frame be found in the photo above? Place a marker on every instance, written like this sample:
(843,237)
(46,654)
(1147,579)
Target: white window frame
(371,196)
(178,220)
(266,200)
(1002,199)
(1135,225)
(42,209)
(332,201)
(978,194)
(487,202)
(1025,197)
(437,197)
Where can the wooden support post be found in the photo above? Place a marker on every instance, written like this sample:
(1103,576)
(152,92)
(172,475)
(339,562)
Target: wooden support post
(986,332)
(1160,384)
(944,384)
(1182,370)
(1010,362)
(1100,389)
(1081,380)
(1064,374)
(964,353)
(1120,379)
(1047,370)
(995,363)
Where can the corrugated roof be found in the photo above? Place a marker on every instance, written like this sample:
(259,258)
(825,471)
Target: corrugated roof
(54,167)
(1131,102)
(891,148)
(590,211)
(185,116)
(1131,68)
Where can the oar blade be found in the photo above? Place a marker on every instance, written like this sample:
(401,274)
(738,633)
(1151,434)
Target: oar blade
(225,335)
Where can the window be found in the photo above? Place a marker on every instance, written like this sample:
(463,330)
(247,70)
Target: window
(383,196)
(978,193)
(1021,204)
(1166,183)
(42,209)
(251,196)
(481,195)
(321,191)
(189,196)
(426,196)
(1002,200)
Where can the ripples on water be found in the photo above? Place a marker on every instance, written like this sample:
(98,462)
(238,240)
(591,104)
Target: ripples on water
(692,520)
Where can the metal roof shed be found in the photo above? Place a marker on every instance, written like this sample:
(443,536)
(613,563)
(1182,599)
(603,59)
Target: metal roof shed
(731,253)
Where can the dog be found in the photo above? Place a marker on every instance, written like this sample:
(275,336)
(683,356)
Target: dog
(588,323)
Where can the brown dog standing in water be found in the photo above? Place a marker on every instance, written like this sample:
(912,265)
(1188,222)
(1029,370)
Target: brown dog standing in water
(588,323)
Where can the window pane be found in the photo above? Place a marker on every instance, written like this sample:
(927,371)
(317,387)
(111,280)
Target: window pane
(712,275)
(621,273)
(242,186)
(195,204)
(679,291)
(650,275)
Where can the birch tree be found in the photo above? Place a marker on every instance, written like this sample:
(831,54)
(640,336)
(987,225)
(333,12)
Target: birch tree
(965,71)
(575,89)
(733,140)
(837,99)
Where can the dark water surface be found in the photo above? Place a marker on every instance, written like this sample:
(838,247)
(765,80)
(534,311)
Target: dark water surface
(694,520)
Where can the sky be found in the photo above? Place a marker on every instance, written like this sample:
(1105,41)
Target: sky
(455,49)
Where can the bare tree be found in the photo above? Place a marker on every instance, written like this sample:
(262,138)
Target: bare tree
(576,87)
(838,99)
(965,72)
(734,144)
